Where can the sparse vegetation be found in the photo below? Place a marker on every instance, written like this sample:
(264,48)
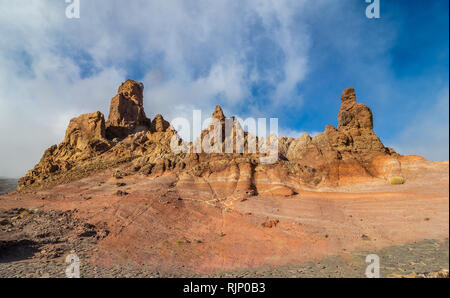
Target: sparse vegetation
(396,180)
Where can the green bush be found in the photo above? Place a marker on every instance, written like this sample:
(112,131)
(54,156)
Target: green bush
(396,180)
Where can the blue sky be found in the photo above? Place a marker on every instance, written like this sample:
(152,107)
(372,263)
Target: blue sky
(257,58)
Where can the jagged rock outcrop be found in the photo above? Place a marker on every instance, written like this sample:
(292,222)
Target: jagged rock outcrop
(159,124)
(350,153)
(356,123)
(85,138)
(126,112)
(341,154)
(87,132)
(218,114)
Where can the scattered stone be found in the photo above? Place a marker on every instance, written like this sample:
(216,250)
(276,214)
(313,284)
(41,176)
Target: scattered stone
(121,193)
(118,174)
(270,223)
(44,234)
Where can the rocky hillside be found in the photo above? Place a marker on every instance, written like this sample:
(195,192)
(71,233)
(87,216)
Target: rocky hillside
(350,153)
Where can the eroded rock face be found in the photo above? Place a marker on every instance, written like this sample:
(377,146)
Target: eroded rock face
(356,122)
(354,114)
(341,155)
(159,124)
(85,138)
(126,112)
(133,91)
(86,130)
(218,114)
(350,153)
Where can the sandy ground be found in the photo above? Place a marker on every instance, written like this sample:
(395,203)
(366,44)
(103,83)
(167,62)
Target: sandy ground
(155,228)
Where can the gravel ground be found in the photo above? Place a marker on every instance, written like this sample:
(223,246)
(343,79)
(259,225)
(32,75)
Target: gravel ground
(397,261)
(34,243)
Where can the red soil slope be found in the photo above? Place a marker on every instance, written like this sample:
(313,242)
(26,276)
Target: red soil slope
(157,222)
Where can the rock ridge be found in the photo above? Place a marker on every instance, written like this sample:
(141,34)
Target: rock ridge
(348,153)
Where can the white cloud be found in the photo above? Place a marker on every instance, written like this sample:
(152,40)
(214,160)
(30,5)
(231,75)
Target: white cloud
(427,134)
(195,53)
(292,133)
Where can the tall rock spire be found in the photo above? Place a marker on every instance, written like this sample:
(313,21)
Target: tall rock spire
(356,122)
(126,112)
(218,114)
(354,114)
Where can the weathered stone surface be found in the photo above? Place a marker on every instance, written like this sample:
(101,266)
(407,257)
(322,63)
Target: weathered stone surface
(218,114)
(350,153)
(341,155)
(352,113)
(126,113)
(85,131)
(133,91)
(356,121)
(159,124)
(84,139)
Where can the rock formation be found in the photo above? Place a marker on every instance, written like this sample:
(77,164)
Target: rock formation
(356,123)
(350,153)
(126,112)
(159,124)
(87,132)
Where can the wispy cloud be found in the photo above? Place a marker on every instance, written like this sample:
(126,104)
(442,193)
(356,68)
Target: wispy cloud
(190,54)
(427,134)
(253,57)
